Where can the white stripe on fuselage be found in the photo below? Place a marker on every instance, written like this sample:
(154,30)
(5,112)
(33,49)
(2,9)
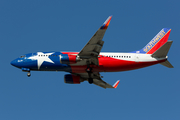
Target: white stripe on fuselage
(131,56)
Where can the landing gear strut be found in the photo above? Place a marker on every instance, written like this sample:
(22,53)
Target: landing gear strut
(90,80)
(26,70)
(89,71)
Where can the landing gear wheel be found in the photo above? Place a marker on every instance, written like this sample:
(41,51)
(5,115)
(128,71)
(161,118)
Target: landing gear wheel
(28,74)
(90,80)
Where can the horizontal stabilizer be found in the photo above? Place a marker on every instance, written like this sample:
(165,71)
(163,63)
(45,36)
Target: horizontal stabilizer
(167,64)
(163,50)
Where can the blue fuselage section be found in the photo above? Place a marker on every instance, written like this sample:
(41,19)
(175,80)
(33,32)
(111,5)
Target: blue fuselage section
(42,61)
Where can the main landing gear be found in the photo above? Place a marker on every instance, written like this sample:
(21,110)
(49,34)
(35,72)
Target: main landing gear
(90,80)
(89,71)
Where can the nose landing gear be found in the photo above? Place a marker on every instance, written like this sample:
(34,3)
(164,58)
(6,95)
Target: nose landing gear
(27,70)
(28,74)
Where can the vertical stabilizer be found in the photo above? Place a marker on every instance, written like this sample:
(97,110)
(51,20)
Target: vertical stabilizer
(159,40)
(163,50)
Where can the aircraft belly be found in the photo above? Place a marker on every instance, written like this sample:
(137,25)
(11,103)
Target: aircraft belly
(55,68)
(114,66)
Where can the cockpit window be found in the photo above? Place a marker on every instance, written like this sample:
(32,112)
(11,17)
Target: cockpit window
(22,56)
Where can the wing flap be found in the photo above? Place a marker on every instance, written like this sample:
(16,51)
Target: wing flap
(95,41)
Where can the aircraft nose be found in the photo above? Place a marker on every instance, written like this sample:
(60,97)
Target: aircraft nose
(14,63)
(17,63)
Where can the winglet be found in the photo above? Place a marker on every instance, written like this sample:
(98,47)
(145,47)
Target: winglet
(106,23)
(116,84)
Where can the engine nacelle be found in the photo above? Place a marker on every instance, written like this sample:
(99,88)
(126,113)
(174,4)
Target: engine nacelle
(69,59)
(72,79)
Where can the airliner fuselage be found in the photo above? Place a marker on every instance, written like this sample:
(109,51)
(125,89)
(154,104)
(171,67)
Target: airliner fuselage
(89,62)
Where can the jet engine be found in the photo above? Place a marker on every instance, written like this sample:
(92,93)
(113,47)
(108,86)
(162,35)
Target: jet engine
(72,79)
(69,59)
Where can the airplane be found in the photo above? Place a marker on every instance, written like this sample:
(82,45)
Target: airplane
(87,64)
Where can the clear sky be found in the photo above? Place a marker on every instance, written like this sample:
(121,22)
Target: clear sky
(26,26)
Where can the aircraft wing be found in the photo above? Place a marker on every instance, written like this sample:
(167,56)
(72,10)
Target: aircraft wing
(103,84)
(97,80)
(92,49)
(90,54)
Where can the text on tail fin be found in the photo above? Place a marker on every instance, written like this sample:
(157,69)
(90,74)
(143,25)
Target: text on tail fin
(160,39)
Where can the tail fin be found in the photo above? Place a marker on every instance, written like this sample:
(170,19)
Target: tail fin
(159,40)
(163,50)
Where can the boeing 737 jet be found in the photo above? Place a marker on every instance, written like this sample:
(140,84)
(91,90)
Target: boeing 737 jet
(87,64)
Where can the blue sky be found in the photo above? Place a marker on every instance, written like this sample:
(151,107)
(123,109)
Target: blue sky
(42,25)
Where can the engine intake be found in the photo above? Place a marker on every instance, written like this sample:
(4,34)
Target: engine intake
(72,79)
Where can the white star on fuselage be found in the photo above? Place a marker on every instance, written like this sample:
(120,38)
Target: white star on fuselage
(41,57)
